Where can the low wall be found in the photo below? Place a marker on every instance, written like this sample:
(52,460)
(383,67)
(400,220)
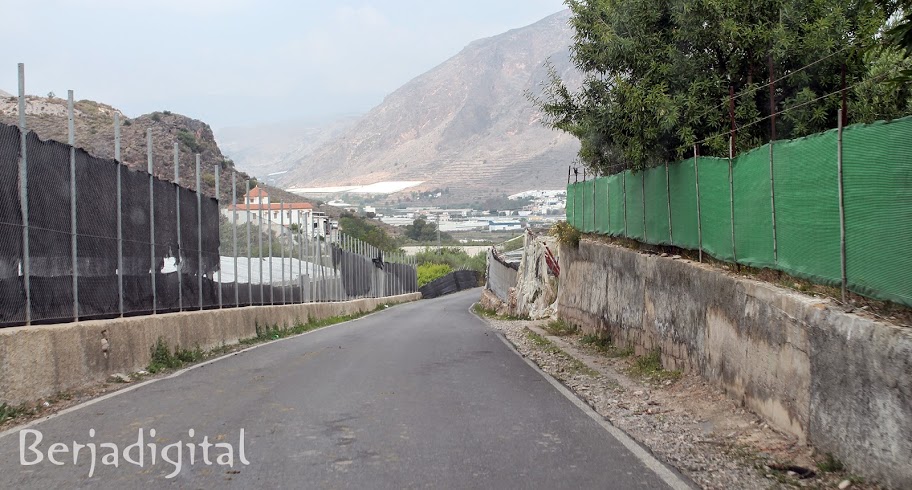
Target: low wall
(40,361)
(836,380)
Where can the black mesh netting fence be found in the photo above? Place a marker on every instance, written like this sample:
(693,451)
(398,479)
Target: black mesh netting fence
(451,283)
(171,250)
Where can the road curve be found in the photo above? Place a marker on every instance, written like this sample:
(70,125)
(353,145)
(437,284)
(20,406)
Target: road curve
(422,395)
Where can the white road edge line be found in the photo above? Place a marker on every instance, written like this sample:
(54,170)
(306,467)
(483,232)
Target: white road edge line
(660,469)
(88,403)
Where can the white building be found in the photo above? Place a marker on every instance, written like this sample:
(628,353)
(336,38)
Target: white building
(504,225)
(274,215)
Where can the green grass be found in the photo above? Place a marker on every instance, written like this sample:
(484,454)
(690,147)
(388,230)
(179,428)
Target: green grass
(649,367)
(560,328)
(830,464)
(8,413)
(576,366)
(489,313)
(605,346)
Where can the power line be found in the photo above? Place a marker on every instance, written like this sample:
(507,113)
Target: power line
(795,72)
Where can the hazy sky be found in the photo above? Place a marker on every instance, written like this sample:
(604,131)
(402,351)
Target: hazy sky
(240,62)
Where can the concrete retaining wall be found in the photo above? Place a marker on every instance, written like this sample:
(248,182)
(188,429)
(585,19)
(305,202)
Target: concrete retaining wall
(836,380)
(40,361)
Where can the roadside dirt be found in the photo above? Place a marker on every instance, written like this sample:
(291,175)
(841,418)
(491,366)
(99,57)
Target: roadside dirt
(685,422)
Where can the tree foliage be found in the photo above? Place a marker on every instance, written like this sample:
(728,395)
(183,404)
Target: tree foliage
(658,74)
(367,231)
(422,230)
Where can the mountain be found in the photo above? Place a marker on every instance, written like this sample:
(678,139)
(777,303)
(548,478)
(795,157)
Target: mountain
(266,149)
(5,94)
(465,125)
(94,126)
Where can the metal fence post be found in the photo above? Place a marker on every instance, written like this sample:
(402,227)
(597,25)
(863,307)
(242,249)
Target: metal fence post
(322,288)
(842,222)
(594,183)
(23,197)
(269,236)
(699,215)
(120,293)
(151,220)
(772,94)
(300,258)
(218,197)
(608,204)
(199,232)
(643,194)
(71,139)
(237,295)
(282,244)
(668,201)
(249,248)
(260,245)
(180,245)
(624,175)
(731,195)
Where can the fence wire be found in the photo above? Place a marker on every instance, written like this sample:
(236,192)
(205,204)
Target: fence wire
(776,208)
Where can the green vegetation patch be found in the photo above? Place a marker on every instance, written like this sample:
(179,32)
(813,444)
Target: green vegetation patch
(561,328)
(649,367)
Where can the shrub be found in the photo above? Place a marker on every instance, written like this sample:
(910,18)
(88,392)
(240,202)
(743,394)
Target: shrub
(565,234)
(430,272)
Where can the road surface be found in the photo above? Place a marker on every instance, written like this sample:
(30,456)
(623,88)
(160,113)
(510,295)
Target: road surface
(423,395)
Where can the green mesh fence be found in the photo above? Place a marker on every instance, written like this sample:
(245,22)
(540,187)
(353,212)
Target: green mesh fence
(877,177)
(715,207)
(602,206)
(571,204)
(635,223)
(616,206)
(657,226)
(807,207)
(585,197)
(753,208)
(683,189)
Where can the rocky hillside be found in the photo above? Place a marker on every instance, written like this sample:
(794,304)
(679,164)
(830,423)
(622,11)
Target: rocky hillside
(465,125)
(94,125)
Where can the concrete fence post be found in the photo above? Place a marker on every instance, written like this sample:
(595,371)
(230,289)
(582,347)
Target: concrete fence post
(74,241)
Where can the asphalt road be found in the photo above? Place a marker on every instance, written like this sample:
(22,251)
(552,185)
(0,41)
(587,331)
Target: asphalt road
(423,395)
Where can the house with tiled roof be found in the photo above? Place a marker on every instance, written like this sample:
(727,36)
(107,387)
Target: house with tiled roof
(257,206)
